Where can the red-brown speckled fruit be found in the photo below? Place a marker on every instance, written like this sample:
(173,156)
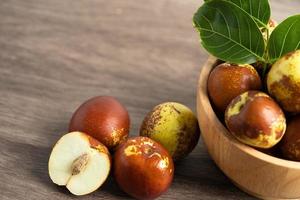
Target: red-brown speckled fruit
(290,145)
(226,81)
(284,82)
(104,118)
(143,168)
(255,119)
(174,126)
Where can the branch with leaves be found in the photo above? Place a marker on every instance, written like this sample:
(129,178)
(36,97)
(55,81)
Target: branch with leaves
(232,30)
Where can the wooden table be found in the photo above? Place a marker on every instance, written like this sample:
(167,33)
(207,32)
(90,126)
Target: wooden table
(56,54)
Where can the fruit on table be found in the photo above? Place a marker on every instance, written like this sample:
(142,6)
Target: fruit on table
(143,168)
(283,81)
(290,145)
(174,126)
(104,118)
(255,119)
(226,81)
(79,162)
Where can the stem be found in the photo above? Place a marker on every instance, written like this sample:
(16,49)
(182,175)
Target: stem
(261,23)
(266,54)
(268,34)
(264,70)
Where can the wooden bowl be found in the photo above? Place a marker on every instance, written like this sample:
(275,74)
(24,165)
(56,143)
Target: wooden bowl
(254,172)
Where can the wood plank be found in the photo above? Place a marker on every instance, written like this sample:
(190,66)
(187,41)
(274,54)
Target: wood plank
(56,54)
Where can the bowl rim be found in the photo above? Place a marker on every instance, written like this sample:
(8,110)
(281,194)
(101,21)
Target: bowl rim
(202,95)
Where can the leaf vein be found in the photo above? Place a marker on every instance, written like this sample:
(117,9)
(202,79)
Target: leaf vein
(249,30)
(244,57)
(241,45)
(238,28)
(275,54)
(298,45)
(285,36)
(236,53)
(218,46)
(250,5)
(258,11)
(211,26)
(209,36)
(263,17)
(227,26)
(228,49)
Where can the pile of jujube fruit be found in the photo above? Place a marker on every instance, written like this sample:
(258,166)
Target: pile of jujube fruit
(98,141)
(262,113)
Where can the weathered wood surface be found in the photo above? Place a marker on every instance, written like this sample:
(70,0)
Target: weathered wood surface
(56,54)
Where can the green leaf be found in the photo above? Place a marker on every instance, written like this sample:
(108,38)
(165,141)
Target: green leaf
(229,33)
(259,9)
(285,38)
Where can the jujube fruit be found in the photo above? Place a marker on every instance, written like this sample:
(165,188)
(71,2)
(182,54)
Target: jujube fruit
(143,168)
(283,81)
(104,118)
(290,144)
(79,162)
(255,119)
(226,81)
(174,126)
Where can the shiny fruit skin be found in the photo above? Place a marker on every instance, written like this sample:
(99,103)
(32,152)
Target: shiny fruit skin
(226,81)
(174,126)
(255,119)
(104,118)
(283,82)
(290,145)
(143,168)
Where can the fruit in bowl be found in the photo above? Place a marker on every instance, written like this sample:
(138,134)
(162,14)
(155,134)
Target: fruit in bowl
(255,119)
(284,81)
(251,169)
(232,33)
(290,145)
(226,81)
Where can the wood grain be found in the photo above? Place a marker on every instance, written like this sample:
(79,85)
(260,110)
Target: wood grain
(56,54)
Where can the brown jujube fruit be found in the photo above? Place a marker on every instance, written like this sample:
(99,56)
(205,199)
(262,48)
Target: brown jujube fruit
(104,118)
(226,81)
(290,145)
(255,119)
(143,168)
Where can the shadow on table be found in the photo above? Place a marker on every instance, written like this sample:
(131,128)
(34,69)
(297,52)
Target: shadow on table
(198,172)
(30,160)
